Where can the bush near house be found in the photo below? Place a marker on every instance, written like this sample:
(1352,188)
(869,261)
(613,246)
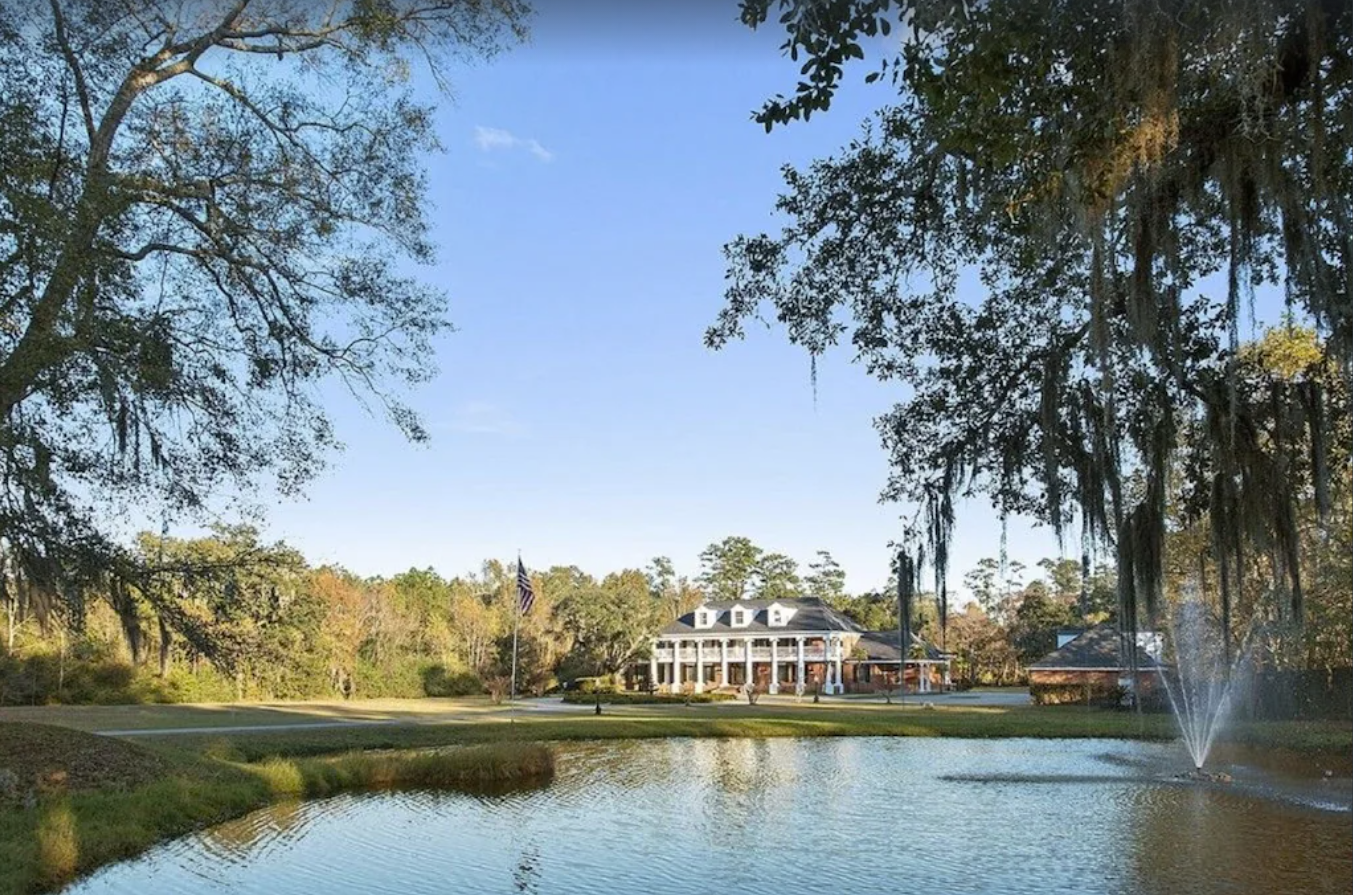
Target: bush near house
(601,684)
(1098,694)
(620,697)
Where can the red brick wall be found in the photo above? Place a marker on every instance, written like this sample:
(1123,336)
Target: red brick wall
(884,677)
(1096,687)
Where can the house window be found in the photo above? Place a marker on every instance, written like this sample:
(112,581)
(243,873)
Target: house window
(775,617)
(737,616)
(702,619)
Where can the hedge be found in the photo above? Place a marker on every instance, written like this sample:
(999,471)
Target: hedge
(621,697)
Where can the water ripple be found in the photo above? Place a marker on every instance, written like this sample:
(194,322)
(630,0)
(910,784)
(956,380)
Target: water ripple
(770,817)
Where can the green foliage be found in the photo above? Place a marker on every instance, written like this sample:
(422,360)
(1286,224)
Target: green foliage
(589,685)
(676,593)
(1118,177)
(1099,694)
(614,697)
(194,236)
(871,611)
(438,681)
(826,580)
(982,582)
(1063,577)
(1037,620)
(776,577)
(736,569)
(610,624)
(729,568)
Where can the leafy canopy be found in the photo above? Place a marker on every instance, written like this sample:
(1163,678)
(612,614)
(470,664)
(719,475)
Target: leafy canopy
(206,212)
(1117,179)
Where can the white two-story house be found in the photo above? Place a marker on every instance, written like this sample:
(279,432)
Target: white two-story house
(778,646)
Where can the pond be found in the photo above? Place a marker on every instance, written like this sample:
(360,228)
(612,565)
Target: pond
(784,816)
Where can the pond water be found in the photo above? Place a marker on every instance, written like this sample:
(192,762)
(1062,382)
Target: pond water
(784,816)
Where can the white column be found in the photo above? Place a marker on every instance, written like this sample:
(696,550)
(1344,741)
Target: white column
(653,667)
(723,670)
(798,680)
(749,680)
(827,664)
(840,687)
(774,666)
(699,666)
(675,684)
(947,682)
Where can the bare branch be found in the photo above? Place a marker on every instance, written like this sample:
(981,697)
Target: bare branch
(72,63)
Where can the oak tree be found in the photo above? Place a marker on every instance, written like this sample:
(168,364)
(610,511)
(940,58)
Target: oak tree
(207,211)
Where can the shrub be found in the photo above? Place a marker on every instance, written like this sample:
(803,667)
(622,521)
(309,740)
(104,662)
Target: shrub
(1101,695)
(438,681)
(624,697)
(499,687)
(601,684)
(1073,694)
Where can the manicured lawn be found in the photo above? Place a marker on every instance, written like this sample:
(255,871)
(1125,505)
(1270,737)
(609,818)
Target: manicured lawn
(141,717)
(852,719)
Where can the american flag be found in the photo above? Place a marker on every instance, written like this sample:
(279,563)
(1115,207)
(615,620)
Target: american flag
(525,595)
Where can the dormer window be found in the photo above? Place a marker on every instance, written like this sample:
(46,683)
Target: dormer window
(778,615)
(704,618)
(739,617)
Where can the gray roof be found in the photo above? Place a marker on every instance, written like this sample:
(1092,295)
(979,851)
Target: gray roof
(881,646)
(811,614)
(1094,650)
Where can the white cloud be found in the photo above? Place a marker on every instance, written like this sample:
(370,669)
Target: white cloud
(491,139)
(484,418)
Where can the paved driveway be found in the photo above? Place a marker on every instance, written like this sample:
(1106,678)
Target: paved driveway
(1006,696)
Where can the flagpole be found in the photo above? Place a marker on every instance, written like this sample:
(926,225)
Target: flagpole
(516,626)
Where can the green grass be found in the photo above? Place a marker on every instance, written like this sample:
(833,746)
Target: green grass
(636,722)
(144,717)
(71,832)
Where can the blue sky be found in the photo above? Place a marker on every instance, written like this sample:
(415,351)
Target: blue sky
(589,181)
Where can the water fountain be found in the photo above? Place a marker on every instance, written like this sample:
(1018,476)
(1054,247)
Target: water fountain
(1200,685)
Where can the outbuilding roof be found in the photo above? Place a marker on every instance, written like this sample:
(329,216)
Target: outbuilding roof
(1094,650)
(881,646)
(810,614)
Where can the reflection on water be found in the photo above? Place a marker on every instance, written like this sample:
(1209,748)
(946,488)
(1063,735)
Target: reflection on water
(782,816)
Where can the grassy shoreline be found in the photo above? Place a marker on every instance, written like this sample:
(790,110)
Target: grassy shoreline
(1317,739)
(143,791)
(68,834)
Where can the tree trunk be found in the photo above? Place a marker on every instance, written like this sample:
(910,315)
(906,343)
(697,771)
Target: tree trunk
(166,648)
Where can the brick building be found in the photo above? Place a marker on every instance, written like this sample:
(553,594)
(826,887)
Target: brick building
(783,646)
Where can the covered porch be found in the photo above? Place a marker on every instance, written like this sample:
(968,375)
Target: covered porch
(794,664)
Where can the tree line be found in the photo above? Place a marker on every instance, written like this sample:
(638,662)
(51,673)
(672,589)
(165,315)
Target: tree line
(229,616)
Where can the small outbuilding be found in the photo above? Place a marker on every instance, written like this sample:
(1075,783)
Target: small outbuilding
(1089,666)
